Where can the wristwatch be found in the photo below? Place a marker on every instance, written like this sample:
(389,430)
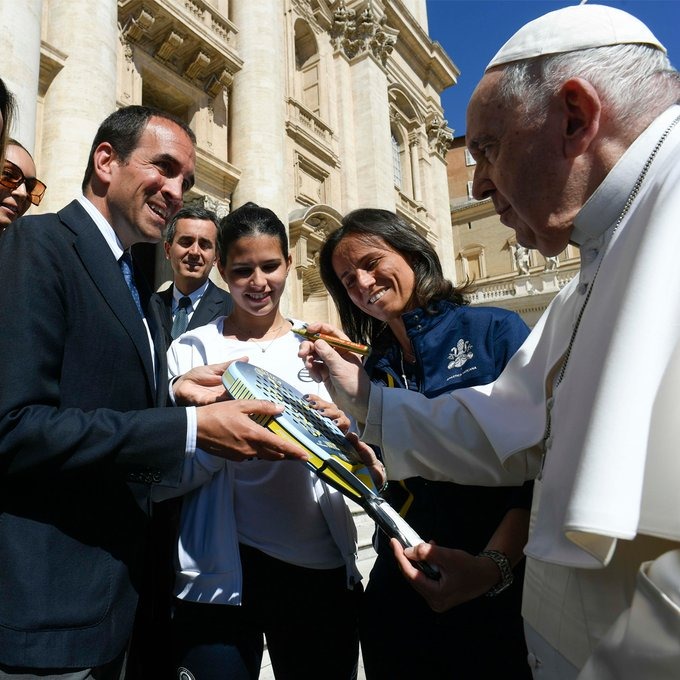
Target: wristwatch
(504,566)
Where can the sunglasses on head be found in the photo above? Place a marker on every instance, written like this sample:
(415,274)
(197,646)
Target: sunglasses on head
(12,177)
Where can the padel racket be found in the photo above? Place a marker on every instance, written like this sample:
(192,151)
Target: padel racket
(331,454)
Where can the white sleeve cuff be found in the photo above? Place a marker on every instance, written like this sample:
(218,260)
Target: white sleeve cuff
(191,430)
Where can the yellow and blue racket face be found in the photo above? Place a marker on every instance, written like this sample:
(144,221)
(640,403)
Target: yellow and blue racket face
(331,454)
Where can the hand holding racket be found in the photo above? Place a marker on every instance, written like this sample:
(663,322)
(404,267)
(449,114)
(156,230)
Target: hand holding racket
(331,454)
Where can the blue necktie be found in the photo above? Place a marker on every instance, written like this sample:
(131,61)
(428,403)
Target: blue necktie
(179,325)
(126,267)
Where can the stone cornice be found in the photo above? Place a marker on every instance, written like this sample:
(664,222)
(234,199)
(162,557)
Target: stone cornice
(215,176)
(472,210)
(191,38)
(317,12)
(426,57)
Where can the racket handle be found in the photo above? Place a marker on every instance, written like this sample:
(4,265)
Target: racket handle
(395,526)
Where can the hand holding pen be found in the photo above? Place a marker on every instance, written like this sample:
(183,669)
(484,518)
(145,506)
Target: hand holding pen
(333,341)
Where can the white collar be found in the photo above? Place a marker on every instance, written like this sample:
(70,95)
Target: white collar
(601,210)
(195,296)
(104,227)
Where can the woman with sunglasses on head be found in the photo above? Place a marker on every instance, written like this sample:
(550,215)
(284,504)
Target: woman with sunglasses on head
(387,283)
(19,187)
(263,548)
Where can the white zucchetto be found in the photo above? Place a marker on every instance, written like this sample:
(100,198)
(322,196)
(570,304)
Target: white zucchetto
(573,28)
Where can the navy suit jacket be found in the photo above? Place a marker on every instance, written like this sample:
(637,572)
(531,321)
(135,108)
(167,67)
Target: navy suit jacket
(79,444)
(214,303)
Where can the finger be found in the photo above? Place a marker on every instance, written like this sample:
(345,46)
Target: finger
(208,380)
(258,407)
(226,364)
(333,357)
(317,371)
(404,563)
(425,552)
(306,349)
(273,447)
(429,589)
(327,329)
(218,368)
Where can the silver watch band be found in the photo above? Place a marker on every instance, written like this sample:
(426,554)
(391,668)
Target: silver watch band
(504,566)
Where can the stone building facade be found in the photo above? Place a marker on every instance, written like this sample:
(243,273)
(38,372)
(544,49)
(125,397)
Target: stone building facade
(502,273)
(309,107)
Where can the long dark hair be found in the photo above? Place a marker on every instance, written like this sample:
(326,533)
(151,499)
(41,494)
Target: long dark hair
(371,224)
(249,220)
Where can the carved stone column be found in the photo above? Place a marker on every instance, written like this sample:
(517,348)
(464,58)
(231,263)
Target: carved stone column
(367,42)
(414,155)
(20,26)
(440,137)
(81,95)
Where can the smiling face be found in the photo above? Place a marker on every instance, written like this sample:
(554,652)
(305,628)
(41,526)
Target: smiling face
(255,270)
(379,280)
(146,190)
(15,202)
(192,253)
(522,167)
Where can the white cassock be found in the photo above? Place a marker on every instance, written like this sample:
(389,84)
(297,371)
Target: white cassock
(608,498)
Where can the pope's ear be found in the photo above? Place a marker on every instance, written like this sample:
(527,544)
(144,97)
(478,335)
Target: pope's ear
(582,109)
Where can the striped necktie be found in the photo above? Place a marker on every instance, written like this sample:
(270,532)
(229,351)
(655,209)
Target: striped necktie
(125,263)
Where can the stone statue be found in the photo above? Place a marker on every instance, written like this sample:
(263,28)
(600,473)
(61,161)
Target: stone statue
(551,263)
(522,259)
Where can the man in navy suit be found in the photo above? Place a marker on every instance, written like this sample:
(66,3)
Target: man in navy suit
(191,248)
(83,431)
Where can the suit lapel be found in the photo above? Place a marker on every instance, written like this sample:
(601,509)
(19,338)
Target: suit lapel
(162,305)
(100,264)
(208,308)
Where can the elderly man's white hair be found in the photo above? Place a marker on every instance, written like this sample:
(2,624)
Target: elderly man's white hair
(610,48)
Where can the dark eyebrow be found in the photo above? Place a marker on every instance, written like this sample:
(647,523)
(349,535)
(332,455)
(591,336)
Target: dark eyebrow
(169,158)
(166,158)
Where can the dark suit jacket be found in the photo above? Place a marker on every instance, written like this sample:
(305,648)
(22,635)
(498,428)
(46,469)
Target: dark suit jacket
(214,303)
(79,445)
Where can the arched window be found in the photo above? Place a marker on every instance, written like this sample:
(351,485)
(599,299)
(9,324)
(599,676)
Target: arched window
(406,126)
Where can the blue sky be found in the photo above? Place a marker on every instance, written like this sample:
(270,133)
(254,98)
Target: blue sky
(472,31)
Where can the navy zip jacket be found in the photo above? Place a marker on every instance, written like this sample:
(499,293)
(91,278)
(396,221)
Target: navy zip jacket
(455,346)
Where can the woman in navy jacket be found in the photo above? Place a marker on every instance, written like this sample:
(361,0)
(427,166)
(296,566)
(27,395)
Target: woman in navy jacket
(388,286)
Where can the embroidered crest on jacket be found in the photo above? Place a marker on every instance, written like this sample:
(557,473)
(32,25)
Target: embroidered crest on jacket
(460,354)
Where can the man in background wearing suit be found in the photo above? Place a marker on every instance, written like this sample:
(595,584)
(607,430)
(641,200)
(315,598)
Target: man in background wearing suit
(81,443)
(192,300)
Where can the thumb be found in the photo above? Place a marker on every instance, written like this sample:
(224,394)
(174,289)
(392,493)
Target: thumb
(326,352)
(334,361)
(260,407)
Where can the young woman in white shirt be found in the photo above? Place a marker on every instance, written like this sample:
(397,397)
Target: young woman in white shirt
(264,549)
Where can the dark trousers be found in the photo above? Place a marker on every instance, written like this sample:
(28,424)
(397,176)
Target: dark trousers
(308,616)
(402,638)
